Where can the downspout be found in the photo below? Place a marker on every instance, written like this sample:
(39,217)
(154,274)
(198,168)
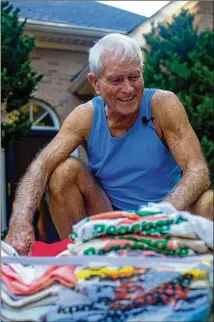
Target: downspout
(3,192)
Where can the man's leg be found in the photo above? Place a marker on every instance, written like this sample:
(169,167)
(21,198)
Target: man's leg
(204,205)
(73,195)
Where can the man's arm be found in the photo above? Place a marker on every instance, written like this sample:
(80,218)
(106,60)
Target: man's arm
(186,149)
(32,186)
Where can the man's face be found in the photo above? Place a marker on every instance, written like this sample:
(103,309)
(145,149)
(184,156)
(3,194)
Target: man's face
(121,85)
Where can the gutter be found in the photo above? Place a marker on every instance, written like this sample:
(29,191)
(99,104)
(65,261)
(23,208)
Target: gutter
(79,79)
(67,29)
(83,71)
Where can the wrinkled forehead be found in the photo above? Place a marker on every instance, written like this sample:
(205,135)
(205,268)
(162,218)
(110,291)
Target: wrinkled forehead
(118,56)
(116,61)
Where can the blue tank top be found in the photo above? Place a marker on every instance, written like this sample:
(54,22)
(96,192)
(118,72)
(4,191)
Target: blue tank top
(137,167)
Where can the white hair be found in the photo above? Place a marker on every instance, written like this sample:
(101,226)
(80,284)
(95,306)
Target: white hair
(120,48)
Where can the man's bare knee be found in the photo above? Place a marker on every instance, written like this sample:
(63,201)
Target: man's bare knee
(75,193)
(64,175)
(204,205)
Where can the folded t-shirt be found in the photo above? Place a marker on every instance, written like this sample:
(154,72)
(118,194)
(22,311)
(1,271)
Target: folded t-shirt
(43,249)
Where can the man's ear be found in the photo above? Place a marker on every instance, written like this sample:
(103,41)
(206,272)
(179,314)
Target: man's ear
(94,83)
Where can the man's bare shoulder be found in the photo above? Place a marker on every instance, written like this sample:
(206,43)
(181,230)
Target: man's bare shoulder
(162,98)
(85,111)
(79,121)
(166,105)
(169,112)
(88,106)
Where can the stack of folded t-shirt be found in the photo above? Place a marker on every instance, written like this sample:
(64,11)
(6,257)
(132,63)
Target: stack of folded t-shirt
(159,228)
(28,292)
(130,293)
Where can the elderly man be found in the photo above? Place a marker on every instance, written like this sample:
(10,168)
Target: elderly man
(140,148)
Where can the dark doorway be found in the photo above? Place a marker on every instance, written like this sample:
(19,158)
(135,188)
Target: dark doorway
(19,155)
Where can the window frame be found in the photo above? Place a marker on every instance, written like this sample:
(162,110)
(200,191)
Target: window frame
(47,111)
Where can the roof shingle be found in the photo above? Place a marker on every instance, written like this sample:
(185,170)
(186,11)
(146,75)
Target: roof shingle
(80,13)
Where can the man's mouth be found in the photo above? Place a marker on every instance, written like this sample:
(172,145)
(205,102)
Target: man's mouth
(126,99)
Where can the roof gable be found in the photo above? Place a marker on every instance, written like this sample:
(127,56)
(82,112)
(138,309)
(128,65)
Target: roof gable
(80,13)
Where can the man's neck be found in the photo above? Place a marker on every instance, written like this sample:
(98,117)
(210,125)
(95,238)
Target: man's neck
(118,121)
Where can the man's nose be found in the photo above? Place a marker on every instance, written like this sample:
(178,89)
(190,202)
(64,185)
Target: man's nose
(127,86)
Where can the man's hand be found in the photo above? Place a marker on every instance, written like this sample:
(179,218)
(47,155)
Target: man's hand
(21,237)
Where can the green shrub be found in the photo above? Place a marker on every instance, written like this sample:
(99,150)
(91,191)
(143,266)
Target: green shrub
(18,79)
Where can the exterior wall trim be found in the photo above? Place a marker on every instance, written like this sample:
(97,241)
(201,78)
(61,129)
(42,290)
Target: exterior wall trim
(49,27)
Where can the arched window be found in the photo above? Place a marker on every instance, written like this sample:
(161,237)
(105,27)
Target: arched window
(41,116)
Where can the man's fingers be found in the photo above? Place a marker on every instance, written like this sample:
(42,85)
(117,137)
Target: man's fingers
(21,243)
(21,248)
(30,250)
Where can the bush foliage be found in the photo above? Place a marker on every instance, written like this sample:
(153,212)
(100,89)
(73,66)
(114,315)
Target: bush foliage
(18,79)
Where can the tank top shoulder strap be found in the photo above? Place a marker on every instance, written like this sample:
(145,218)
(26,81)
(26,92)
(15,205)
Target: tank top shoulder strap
(146,102)
(98,106)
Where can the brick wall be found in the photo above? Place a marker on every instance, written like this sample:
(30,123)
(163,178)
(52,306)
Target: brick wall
(58,67)
(203,15)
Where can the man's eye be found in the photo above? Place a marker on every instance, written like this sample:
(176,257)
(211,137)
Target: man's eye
(115,80)
(134,77)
